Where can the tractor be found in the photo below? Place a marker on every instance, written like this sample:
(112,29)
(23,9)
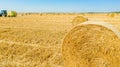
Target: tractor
(3,13)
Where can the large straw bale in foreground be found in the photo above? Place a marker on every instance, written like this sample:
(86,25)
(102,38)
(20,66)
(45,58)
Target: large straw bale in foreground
(92,44)
(78,19)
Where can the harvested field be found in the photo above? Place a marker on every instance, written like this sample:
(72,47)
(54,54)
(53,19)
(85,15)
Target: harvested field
(35,40)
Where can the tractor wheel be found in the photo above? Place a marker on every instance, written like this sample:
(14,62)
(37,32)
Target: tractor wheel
(3,15)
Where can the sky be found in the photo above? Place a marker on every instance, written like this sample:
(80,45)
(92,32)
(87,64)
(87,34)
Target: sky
(61,5)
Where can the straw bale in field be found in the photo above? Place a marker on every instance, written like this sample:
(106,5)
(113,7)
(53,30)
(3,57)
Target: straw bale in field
(78,19)
(92,44)
(112,15)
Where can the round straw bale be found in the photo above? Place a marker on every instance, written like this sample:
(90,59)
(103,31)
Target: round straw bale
(78,19)
(112,15)
(92,44)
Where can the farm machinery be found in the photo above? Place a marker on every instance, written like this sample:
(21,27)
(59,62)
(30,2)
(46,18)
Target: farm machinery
(5,13)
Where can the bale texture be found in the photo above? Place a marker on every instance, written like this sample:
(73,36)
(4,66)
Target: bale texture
(92,44)
(78,19)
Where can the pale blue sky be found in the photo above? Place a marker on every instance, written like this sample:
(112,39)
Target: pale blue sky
(61,5)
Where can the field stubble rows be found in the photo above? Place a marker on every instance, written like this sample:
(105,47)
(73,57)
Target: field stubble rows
(36,40)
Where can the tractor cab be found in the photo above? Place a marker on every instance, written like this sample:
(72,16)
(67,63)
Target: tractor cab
(3,13)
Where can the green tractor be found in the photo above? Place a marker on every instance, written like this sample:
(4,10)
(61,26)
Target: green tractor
(3,13)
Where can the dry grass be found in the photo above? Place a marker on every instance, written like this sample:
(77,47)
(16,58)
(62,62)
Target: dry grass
(34,40)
